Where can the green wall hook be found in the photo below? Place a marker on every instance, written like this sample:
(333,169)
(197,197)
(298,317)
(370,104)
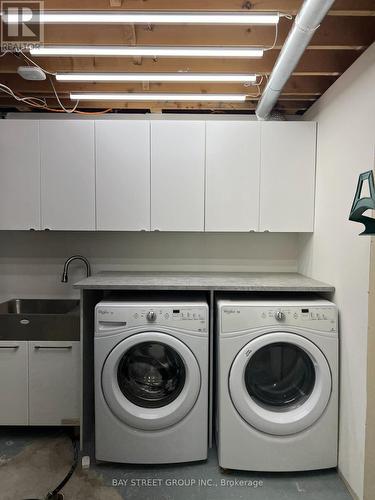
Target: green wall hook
(360,205)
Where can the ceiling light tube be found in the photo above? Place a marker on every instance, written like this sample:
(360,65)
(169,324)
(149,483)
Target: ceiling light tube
(117,17)
(155,77)
(137,51)
(155,97)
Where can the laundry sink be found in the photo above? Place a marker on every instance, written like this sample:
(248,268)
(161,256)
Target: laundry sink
(38,306)
(39,319)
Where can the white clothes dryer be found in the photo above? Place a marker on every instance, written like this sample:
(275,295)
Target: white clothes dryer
(277,384)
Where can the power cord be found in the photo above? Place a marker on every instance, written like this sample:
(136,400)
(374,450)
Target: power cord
(55,494)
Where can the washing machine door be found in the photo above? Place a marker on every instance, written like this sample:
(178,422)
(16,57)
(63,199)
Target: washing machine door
(280,383)
(151,380)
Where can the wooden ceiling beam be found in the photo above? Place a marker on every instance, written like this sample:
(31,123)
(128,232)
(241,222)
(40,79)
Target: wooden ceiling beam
(144,106)
(334,32)
(314,86)
(49,96)
(321,62)
(287,6)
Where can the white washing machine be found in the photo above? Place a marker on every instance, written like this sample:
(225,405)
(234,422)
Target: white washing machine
(151,381)
(277,376)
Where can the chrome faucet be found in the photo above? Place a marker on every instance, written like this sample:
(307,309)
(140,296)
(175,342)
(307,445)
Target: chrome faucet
(64,277)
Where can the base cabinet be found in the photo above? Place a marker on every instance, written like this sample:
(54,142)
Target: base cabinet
(13,383)
(54,383)
(40,382)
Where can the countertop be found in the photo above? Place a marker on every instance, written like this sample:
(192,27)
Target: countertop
(255,282)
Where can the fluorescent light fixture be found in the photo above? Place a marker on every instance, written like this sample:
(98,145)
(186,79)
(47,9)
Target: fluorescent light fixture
(155,77)
(155,97)
(147,51)
(132,17)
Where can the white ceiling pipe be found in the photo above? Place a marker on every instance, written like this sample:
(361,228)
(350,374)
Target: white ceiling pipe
(307,21)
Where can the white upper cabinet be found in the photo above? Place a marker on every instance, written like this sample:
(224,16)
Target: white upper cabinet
(67,174)
(232,175)
(122,175)
(177,175)
(287,185)
(167,175)
(19,174)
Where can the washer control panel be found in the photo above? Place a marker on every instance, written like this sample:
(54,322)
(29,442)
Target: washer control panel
(240,318)
(116,317)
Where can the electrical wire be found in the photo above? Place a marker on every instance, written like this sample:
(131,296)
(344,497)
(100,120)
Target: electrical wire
(51,495)
(32,101)
(257,85)
(55,494)
(287,16)
(275,39)
(40,103)
(35,64)
(60,103)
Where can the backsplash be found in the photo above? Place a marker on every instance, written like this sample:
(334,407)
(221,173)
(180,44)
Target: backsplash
(31,263)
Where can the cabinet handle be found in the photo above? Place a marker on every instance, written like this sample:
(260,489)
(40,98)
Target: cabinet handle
(53,347)
(9,346)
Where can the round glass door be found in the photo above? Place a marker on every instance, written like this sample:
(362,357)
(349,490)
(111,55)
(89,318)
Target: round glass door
(280,383)
(151,374)
(151,380)
(280,376)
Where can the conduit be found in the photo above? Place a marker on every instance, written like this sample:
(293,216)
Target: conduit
(307,21)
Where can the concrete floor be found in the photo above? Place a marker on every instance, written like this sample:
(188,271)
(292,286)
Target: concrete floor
(33,461)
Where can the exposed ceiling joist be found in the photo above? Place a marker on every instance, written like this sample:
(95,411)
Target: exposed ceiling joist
(335,32)
(343,35)
(285,106)
(287,6)
(296,86)
(317,62)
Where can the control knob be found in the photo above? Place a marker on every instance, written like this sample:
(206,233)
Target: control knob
(151,316)
(280,316)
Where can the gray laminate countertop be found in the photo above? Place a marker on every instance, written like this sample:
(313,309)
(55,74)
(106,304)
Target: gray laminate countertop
(255,282)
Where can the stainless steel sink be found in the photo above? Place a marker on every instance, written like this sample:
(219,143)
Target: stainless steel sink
(38,306)
(39,319)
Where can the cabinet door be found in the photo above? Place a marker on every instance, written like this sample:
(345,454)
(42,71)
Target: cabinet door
(287,186)
(122,175)
(67,174)
(19,174)
(54,383)
(232,176)
(13,383)
(177,175)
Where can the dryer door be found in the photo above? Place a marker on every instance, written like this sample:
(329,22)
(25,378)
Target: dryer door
(151,380)
(280,383)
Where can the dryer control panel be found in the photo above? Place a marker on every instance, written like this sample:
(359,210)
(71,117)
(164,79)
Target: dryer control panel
(239,318)
(121,316)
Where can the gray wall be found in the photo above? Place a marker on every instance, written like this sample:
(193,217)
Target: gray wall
(31,262)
